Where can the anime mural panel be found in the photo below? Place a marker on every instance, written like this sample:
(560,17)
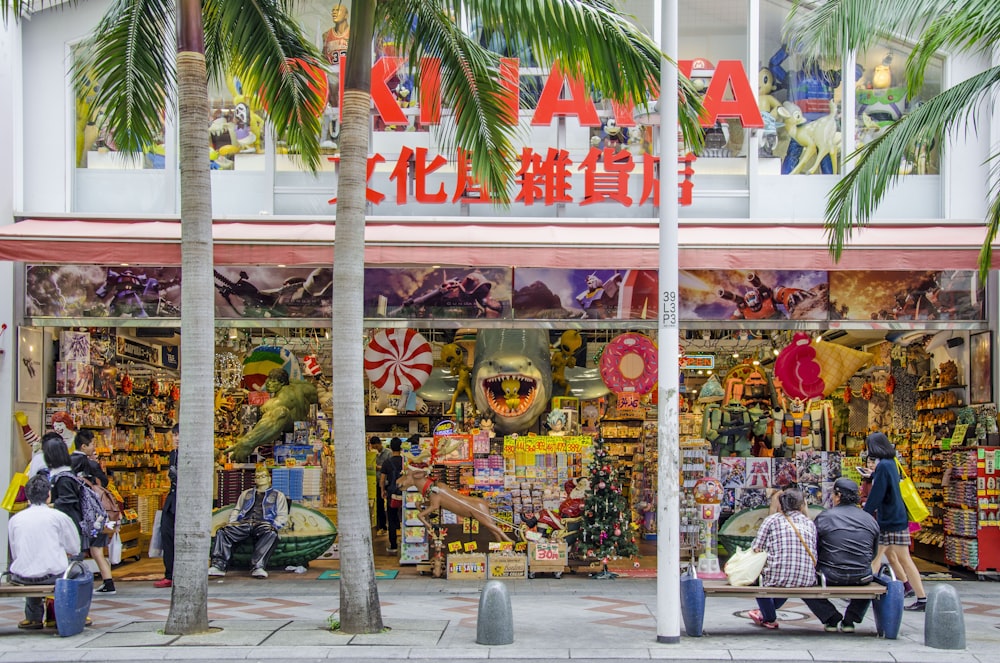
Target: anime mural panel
(273,292)
(97,291)
(931,295)
(438,292)
(603,294)
(754,295)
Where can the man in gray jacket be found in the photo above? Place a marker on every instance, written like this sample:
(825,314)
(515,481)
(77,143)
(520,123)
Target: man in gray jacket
(847,542)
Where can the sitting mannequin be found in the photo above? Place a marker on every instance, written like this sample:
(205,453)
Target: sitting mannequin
(258,515)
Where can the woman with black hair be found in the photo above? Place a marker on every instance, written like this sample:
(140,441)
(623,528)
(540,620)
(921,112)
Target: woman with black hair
(65,495)
(885,502)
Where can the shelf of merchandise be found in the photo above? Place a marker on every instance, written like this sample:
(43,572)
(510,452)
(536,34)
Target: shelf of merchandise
(972,508)
(413,546)
(927,472)
(937,407)
(623,438)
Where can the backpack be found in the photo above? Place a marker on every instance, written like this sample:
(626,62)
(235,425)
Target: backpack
(112,508)
(93,514)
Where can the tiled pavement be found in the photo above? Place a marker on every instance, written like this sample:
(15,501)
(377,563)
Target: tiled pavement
(285,618)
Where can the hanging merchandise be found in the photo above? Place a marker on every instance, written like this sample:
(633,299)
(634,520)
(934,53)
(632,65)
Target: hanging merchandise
(629,364)
(811,370)
(262,360)
(711,391)
(398,360)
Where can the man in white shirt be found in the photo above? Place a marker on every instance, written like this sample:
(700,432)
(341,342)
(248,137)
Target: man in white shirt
(41,541)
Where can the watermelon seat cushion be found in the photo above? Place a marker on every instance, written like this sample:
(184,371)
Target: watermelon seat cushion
(308,534)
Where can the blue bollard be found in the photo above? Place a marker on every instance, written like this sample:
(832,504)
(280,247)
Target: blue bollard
(888,609)
(692,605)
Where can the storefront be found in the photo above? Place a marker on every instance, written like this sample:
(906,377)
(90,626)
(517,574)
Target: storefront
(100,256)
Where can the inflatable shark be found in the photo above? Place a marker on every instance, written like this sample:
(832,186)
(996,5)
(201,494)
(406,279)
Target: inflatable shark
(512,378)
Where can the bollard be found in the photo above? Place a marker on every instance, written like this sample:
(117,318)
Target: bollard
(692,605)
(888,608)
(495,620)
(944,623)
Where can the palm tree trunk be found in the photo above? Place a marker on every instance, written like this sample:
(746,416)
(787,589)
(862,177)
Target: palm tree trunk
(195,462)
(360,611)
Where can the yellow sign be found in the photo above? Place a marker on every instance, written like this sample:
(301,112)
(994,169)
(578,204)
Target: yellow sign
(455,546)
(471,547)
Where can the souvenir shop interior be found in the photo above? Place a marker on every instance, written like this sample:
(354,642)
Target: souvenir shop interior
(540,423)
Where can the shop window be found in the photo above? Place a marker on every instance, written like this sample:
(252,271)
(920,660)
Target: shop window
(95,141)
(236,128)
(881,99)
(800,102)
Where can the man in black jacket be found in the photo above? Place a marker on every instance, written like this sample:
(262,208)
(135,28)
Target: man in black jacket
(847,542)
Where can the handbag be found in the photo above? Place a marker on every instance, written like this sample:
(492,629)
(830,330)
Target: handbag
(14,499)
(115,548)
(155,540)
(916,510)
(744,567)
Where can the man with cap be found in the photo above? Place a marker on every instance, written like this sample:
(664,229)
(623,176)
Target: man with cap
(847,541)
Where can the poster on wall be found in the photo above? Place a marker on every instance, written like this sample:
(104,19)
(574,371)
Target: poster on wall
(708,294)
(95,291)
(273,292)
(30,384)
(931,295)
(602,294)
(437,292)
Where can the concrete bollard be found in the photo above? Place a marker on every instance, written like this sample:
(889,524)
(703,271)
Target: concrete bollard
(495,620)
(944,622)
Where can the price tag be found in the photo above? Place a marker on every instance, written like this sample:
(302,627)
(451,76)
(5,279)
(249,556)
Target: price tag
(471,547)
(628,401)
(958,435)
(455,547)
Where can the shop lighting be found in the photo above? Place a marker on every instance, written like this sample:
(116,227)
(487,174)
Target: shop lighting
(756,362)
(775,351)
(234,333)
(736,355)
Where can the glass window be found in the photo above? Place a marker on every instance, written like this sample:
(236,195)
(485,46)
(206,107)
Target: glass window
(800,102)
(236,130)
(881,99)
(95,142)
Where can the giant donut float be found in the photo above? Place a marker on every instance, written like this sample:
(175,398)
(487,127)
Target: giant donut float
(629,363)
(398,357)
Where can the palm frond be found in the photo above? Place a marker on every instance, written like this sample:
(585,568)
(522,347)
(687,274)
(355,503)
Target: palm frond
(129,68)
(965,26)
(854,198)
(261,43)
(831,28)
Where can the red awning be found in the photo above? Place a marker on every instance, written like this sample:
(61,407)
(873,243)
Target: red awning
(541,242)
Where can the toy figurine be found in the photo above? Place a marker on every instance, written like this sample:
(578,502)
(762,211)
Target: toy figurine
(453,355)
(243,524)
(563,357)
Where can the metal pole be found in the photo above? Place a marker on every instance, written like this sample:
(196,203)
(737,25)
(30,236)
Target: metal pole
(668,581)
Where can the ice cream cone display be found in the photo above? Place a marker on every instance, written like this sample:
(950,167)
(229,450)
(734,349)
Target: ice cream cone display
(812,370)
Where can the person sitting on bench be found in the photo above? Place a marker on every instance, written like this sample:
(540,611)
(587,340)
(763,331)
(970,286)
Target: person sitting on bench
(41,541)
(847,543)
(258,515)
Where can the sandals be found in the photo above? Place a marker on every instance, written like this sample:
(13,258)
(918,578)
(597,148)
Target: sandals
(27,625)
(758,619)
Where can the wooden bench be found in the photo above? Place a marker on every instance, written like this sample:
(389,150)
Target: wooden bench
(888,607)
(26,591)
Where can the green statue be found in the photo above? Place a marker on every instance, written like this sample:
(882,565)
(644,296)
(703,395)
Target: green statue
(289,403)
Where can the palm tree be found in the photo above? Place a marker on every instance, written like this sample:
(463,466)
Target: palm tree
(261,44)
(839,26)
(588,38)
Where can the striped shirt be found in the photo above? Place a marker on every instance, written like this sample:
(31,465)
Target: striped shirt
(788,563)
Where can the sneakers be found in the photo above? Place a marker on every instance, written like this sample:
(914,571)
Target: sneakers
(164,582)
(909,594)
(105,590)
(26,625)
(847,627)
(758,619)
(259,573)
(392,551)
(831,627)
(214,571)
(919,605)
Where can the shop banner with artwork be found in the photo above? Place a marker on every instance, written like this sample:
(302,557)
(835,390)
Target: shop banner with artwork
(273,292)
(931,295)
(100,291)
(707,294)
(603,294)
(438,292)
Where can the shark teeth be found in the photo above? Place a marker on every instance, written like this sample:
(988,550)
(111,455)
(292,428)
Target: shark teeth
(510,395)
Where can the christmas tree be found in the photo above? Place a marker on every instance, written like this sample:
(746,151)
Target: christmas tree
(607,531)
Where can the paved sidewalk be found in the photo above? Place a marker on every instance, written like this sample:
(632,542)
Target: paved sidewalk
(285,618)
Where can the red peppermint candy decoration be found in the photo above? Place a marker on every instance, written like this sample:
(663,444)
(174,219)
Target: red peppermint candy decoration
(396,358)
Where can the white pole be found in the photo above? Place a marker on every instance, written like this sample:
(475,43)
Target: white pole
(668,581)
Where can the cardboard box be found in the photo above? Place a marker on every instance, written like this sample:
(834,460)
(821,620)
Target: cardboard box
(547,556)
(74,346)
(74,378)
(471,566)
(508,565)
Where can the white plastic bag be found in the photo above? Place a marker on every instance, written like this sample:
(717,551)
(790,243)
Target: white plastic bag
(744,567)
(155,543)
(115,548)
